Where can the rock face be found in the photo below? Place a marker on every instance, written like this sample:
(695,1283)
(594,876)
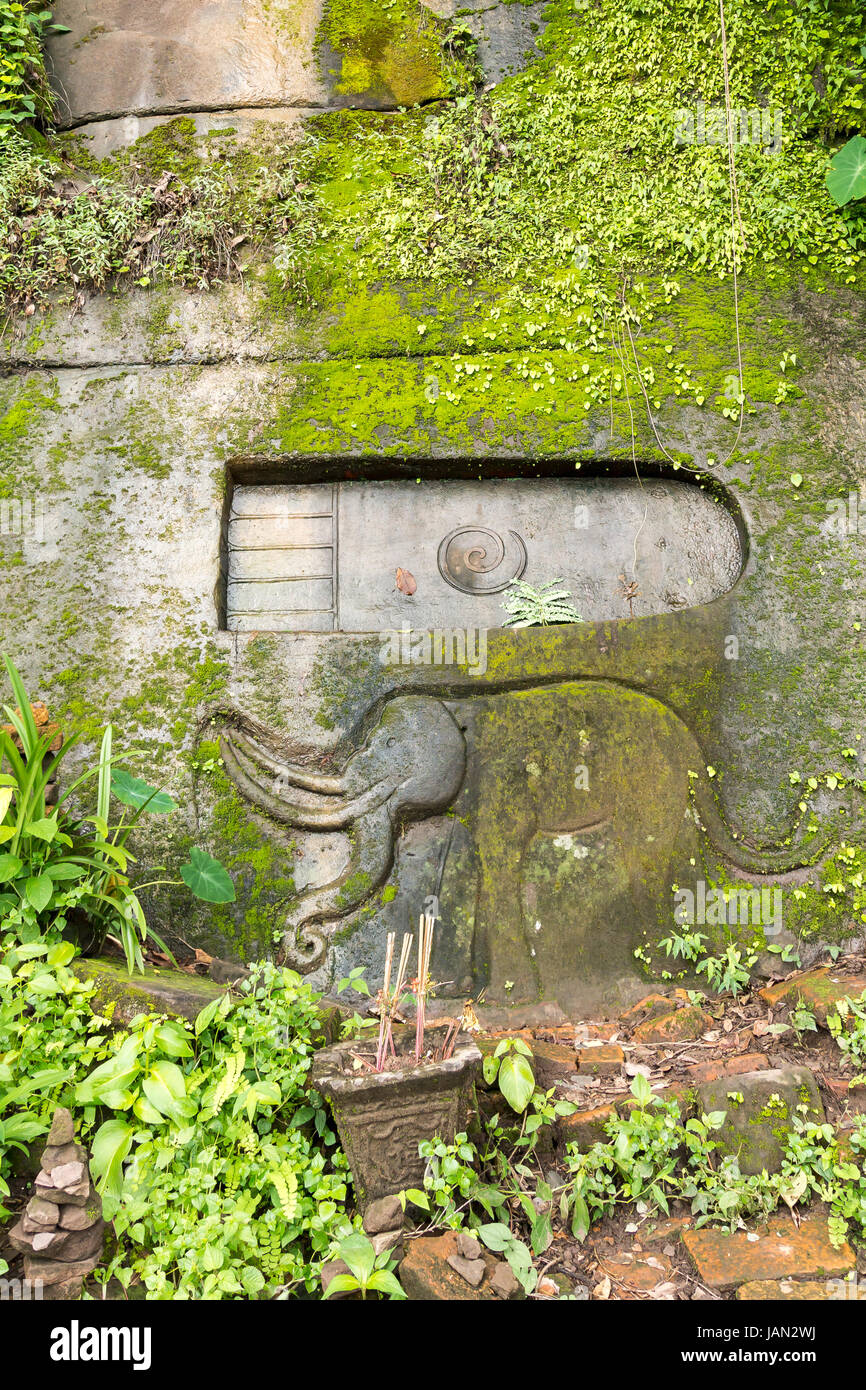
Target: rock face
(149,412)
(61,1231)
(145,57)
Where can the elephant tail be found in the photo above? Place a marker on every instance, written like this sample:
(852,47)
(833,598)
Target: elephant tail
(746,856)
(303,949)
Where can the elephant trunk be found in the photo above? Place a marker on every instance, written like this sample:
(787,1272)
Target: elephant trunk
(304,944)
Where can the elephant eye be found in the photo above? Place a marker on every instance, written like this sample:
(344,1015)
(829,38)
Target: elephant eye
(391,742)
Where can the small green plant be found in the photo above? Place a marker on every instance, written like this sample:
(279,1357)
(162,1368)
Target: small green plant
(847,1024)
(369,1272)
(59,869)
(686,945)
(510,1068)
(729,973)
(530,607)
(24,91)
(801,1020)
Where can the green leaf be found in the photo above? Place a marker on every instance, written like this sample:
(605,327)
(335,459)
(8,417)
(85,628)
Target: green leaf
(61,954)
(173,1039)
(39,891)
(147,1113)
(357,1252)
(207,879)
(846,176)
(206,1016)
(580,1222)
(342,1283)
(10,867)
(44,829)
(110,1147)
(516,1081)
(418,1198)
(495,1235)
(490,1069)
(252,1279)
(383,1281)
(131,791)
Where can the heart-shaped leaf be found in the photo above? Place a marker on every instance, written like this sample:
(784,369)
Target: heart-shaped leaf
(39,890)
(10,867)
(206,878)
(516,1081)
(131,791)
(846,176)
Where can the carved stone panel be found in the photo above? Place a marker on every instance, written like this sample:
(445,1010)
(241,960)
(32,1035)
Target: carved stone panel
(323,557)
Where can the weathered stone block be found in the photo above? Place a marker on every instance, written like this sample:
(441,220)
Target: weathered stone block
(780,1251)
(757,1126)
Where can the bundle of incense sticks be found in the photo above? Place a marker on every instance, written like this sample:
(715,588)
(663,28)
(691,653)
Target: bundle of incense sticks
(390,999)
(422,984)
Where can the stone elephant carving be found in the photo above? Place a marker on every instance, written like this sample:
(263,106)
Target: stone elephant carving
(587,776)
(411,765)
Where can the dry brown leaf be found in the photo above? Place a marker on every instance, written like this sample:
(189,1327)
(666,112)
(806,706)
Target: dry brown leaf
(602,1290)
(406,582)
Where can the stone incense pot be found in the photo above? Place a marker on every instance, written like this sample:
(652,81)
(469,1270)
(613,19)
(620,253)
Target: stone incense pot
(382,1117)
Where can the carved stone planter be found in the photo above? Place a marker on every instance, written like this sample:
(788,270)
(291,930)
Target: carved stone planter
(383,1117)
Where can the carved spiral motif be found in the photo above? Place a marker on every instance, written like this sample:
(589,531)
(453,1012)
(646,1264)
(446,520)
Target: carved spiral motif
(478,561)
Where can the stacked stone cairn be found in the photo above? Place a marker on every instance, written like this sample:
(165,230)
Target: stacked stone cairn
(60,1234)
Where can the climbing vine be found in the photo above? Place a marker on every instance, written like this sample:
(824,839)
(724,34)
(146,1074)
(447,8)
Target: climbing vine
(24,90)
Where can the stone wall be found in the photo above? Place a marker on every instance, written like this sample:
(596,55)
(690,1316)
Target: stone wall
(126,429)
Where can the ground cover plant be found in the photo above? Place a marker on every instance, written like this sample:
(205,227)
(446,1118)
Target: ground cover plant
(62,869)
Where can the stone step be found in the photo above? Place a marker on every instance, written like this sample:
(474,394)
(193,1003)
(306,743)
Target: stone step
(777,1251)
(174,992)
(760,1109)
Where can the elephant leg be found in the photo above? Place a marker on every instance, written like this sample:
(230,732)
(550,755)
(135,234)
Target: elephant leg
(304,944)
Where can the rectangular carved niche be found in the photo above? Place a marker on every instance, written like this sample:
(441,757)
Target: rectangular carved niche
(322,557)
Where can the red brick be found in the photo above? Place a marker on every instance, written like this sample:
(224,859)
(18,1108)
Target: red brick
(801,1291)
(819,990)
(426,1275)
(637,1273)
(553,1062)
(724,1261)
(852,1098)
(728,1066)
(585,1127)
(605,1060)
(681,1025)
(653,1006)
